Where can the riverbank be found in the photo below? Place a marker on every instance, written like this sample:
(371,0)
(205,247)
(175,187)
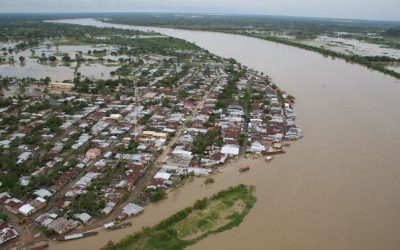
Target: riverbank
(371,62)
(335,189)
(192,190)
(213,215)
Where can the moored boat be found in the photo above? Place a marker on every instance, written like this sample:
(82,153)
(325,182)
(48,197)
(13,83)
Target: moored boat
(275,152)
(269,158)
(76,236)
(120,226)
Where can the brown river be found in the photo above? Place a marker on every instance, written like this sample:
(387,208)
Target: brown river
(337,188)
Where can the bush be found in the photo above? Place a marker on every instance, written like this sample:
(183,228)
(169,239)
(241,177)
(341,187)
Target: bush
(209,180)
(157,195)
(200,204)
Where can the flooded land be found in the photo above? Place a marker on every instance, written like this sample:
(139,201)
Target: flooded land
(373,44)
(91,153)
(58,70)
(335,189)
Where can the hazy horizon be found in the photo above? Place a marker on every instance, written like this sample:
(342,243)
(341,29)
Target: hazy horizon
(342,9)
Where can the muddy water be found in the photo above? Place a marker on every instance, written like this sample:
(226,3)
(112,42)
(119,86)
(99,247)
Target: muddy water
(338,188)
(57,71)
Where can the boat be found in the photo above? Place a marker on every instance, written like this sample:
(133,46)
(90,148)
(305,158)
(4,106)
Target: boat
(120,226)
(269,158)
(280,151)
(244,169)
(76,236)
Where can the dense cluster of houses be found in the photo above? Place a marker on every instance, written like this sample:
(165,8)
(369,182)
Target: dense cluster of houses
(106,146)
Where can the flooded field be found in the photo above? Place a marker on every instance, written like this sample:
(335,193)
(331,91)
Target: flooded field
(352,46)
(30,90)
(335,189)
(57,71)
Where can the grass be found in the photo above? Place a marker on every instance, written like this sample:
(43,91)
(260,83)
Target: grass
(213,215)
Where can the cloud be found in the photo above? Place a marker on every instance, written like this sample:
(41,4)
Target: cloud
(371,9)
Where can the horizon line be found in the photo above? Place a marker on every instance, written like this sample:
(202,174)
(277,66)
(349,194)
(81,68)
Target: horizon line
(198,13)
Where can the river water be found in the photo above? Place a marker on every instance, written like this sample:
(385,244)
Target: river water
(337,188)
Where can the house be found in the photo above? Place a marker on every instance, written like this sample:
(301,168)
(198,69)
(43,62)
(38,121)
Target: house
(62,225)
(231,150)
(257,147)
(108,208)
(84,217)
(5,143)
(154,135)
(23,157)
(4,197)
(13,204)
(190,104)
(92,153)
(45,219)
(60,87)
(38,203)
(26,210)
(162,175)
(7,233)
(131,209)
(43,193)
(56,149)
(235,110)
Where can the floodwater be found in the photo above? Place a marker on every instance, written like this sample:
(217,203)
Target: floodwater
(337,188)
(353,46)
(34,90)
(56,70)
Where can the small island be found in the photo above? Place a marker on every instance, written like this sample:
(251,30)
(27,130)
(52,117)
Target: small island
(213,215)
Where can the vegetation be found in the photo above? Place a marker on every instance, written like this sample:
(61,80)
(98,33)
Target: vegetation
(202,141)
(88,203)
(228,94)
(3,216)
(213,215)
(290,31)
(157,195)
(209,180)
(372,62)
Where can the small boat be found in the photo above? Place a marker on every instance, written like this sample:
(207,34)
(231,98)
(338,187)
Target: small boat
(76,236)
(120,226)
(269,158)
(275,152)
(244,169)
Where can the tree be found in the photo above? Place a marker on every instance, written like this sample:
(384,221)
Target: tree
(66,58)
(3,216)
(158,195)
(242,139)
(52,58)
(21,59)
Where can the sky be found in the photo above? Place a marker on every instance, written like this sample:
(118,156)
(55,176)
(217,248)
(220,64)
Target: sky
(357,9)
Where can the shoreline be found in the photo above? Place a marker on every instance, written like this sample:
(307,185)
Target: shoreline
(173,194)
(325,52)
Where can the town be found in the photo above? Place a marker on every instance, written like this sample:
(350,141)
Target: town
(81,154)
